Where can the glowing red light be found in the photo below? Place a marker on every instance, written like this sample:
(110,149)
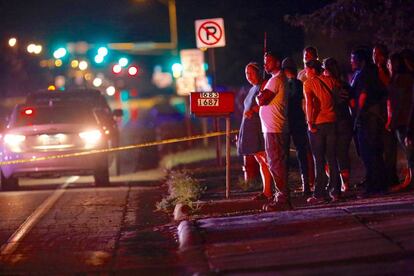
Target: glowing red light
(116,69)
(132,71)
(28,111)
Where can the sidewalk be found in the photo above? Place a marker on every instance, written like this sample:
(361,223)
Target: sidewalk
(373,236)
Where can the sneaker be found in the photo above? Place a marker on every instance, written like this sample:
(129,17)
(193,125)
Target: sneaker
(314,200)
(362,183)
(400,188)
(335,198)
(364,195)
(261,196)
(307,194)
(277,206)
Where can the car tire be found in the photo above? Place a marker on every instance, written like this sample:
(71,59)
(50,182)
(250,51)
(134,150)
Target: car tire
(9,183)
(101,176)
(117,165)
(114,165)
(115,156)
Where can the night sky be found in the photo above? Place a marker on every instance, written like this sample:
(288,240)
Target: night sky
(94,21)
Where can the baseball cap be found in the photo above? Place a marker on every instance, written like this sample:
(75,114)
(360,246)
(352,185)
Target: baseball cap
(288,63)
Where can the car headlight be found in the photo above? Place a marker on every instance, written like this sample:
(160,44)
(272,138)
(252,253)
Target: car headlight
(14,141)
(91,137)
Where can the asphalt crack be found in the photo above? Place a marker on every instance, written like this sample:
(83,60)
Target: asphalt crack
(120,231)
(365,223)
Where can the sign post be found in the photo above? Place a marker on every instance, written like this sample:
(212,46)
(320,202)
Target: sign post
(227,156)
(215,104)
(210,34)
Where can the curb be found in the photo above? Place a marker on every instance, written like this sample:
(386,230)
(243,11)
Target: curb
(191,248)
(181,212)
(217,208)
(188,235)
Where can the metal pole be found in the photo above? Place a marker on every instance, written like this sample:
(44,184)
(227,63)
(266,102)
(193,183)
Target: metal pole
(212,59)
(228,156)
(218,142)
(188,120)
(172,14)
(264,51)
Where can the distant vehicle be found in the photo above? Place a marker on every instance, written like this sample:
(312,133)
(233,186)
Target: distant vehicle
(90,96)
(42,130)
(106,116)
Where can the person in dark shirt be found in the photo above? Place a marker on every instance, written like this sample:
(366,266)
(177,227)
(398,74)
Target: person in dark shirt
(297,125)
(343,125)
(379,57)
(408,56)
(400,93)
(370,116)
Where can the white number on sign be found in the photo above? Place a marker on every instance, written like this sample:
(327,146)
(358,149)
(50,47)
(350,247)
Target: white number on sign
(208,102)
(209,95)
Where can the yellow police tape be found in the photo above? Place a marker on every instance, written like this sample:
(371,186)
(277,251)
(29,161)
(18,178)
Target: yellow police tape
(136,146)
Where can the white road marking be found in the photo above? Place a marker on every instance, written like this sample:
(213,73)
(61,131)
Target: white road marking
(14,240)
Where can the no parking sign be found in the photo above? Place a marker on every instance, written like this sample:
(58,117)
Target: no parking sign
(210,33)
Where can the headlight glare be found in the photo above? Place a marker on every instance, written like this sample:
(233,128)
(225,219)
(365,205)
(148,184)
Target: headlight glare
(14,141)
(91,136)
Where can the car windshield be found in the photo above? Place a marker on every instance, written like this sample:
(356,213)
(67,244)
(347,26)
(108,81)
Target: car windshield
(54,115)
(94,99)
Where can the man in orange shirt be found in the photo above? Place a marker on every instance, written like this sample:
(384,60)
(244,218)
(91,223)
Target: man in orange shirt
(321,118)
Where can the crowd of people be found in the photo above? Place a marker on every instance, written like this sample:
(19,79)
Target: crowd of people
(322,112)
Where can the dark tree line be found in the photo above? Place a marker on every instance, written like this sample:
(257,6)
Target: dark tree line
(390,22)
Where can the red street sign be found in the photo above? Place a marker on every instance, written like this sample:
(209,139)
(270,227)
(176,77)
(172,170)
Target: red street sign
(211,103)
(210,32)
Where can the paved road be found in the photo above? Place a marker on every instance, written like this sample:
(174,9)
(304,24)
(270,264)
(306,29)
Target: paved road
(86,229)
(373,236)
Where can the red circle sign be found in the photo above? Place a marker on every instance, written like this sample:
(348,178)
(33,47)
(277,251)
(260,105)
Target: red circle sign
(210,31)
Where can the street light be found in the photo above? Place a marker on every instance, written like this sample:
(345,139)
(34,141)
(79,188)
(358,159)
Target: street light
(97,82)
(12,42)
(83,65)
(132,71)
(123,61)
(177,69)
(58,63)
(74,63)
(110,91)
(59,53)
(102,51)
(38,49)
(99,58)
(116,69)
(31,48)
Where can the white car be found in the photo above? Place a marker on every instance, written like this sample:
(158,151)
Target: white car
(49,130)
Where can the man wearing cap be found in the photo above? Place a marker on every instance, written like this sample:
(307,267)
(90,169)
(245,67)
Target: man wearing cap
(297,125)
(309,53)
